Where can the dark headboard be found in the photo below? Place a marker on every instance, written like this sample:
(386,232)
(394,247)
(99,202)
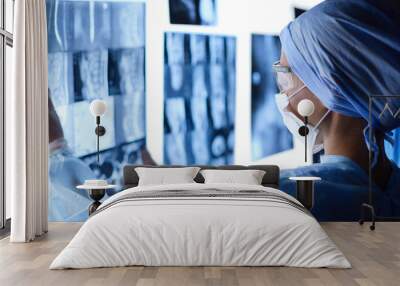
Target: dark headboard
(271,177)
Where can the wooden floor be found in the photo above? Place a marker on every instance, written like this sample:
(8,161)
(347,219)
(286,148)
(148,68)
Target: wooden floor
(375,257)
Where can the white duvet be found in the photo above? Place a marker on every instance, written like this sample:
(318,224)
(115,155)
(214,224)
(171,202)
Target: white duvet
(200,231)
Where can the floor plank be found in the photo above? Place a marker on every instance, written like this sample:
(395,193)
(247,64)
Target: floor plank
(375,257)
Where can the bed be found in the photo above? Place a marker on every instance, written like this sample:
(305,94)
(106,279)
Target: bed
(197,224)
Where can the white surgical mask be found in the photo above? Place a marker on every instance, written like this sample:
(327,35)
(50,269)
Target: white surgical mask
(293,123)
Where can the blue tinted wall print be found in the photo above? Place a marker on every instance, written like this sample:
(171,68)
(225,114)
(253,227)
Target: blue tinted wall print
(96,51)
(269,134)
(199,99)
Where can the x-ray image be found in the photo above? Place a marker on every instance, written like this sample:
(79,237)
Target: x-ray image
(199,111)
(129,21)
(96,51)
(91,24)
(193,12)
(231,87)
(87,25)
(199,104)
(269,134)
(90,75)
(60,81)
(175,113)
(198,48)
(218,96)
(175,48)
(199,99)
(129,117)
(217,50)
(123,65)
(78,25)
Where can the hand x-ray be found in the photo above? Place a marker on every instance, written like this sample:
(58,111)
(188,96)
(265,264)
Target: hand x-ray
(199,99)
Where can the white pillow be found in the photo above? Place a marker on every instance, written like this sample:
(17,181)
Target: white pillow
(248,177)
(166,176)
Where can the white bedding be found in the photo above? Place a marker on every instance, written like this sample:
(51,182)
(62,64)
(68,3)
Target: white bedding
(200,231)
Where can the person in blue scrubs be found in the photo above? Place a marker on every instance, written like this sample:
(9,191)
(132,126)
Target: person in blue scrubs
(337,55)
(66,202)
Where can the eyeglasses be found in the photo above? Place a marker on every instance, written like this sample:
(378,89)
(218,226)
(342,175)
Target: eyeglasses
(277,67)
(284,77)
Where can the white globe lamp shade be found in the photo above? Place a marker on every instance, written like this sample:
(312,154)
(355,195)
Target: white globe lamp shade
(305,108)
(98,107)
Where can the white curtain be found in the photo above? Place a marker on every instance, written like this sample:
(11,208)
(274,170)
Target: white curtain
(27,123)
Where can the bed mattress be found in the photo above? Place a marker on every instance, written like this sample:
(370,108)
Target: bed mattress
(201,225)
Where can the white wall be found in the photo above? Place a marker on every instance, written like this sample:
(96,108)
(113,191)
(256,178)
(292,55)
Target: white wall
(239,18)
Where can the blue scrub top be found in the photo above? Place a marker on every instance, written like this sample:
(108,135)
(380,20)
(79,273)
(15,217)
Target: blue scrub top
(343,188)
(66,202)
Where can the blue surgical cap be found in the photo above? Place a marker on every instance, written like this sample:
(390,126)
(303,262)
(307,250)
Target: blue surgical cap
(345,51)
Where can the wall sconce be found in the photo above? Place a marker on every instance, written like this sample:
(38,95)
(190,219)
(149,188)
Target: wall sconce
(98,108)
(306,109)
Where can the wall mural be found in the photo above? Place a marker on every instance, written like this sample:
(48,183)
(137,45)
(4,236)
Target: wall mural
(269,134)
(199,99)
(96,50)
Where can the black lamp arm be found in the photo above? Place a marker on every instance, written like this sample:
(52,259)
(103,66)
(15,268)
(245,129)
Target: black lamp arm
(100,131)
(303,131)
(305,138)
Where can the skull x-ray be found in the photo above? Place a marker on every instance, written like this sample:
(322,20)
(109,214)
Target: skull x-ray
(199,99)
(96,51)
(269,134)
